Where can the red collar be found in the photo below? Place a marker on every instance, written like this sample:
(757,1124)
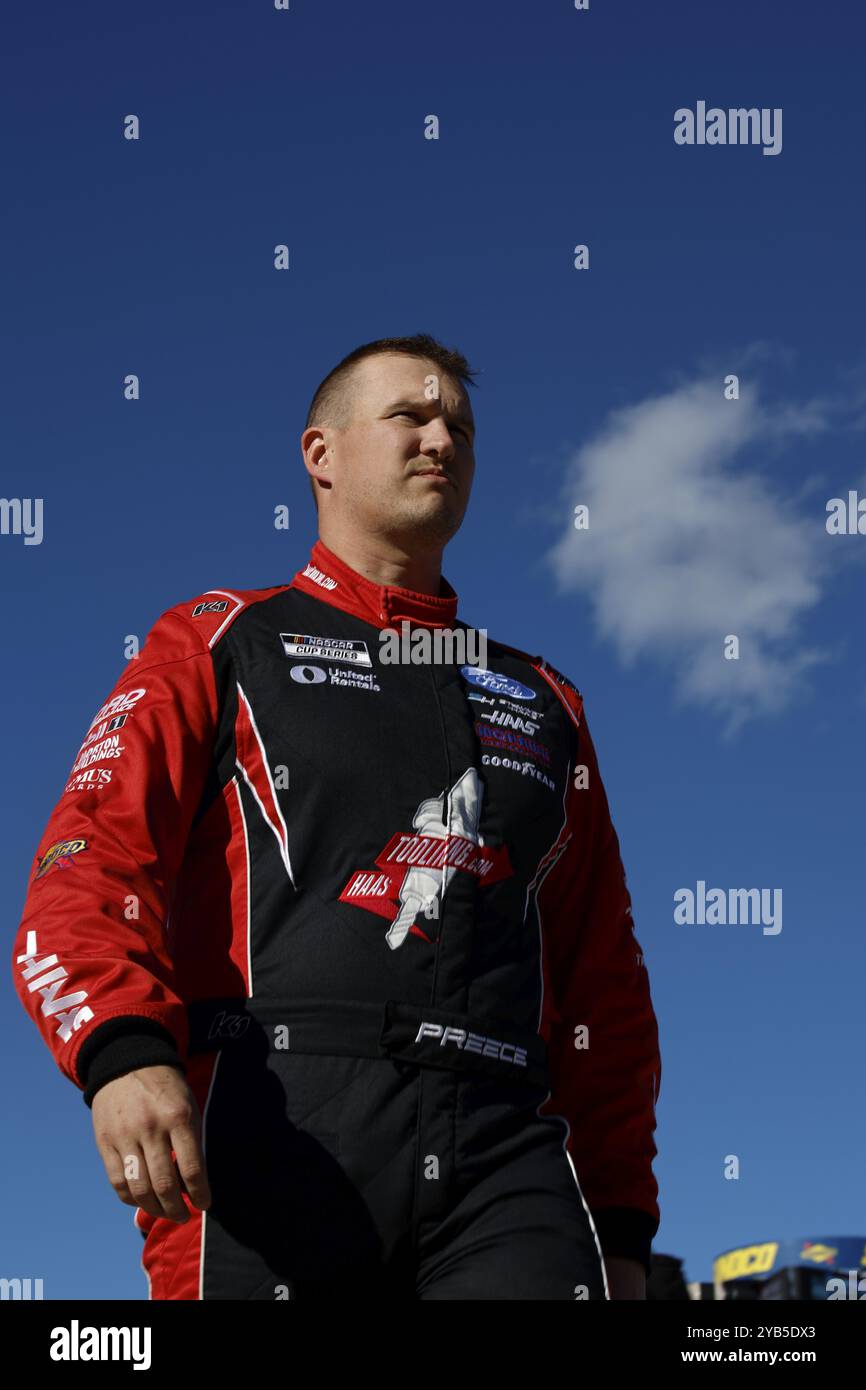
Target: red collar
(329,578)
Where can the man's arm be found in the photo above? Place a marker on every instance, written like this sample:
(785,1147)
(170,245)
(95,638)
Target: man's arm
(91,959)
(603,1045)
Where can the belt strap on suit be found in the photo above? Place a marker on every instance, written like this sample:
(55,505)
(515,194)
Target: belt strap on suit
(416,1033)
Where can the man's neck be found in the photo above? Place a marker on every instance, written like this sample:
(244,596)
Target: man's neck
(383,562)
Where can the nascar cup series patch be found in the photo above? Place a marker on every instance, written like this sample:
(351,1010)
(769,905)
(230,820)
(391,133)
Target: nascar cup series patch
(348,649)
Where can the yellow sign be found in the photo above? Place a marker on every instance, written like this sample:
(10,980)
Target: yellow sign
(749,1259)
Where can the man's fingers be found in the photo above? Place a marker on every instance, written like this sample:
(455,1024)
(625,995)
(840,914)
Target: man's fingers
(186,1142)
(116,1175)
(164,1181)
(133,1185)
(140,1120)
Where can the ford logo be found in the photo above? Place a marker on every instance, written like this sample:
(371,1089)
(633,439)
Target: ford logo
(499,685)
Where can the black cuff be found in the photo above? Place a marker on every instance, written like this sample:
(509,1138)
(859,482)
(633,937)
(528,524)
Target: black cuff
(627,1232)
(121,1045)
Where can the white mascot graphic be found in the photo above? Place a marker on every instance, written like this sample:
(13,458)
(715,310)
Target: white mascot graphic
(422,887)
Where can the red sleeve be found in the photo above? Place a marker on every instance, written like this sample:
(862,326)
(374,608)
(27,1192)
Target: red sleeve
(91,946)
(607,1085)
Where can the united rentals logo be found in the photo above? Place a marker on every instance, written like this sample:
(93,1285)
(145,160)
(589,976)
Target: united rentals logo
(413,871)
(60,855)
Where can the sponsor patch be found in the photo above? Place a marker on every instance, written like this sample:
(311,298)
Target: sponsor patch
(323,580)
(105,726)
(525,766)
(561,679)
(44,975)
(102,740)
(500,703)
(110,747)
(504,719)
(308,675)
(566,691)
(121,704)
(412,871)
(90,778)
(302,646)
(212,606)
(496,683)
(335,675)
(60,855)
(512,742)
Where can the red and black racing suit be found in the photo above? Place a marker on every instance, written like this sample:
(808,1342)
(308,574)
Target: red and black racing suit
(377,912)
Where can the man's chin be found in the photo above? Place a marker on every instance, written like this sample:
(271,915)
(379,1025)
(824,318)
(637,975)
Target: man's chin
(431,526)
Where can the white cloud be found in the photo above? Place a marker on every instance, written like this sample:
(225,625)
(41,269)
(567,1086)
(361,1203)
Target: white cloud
(686,545)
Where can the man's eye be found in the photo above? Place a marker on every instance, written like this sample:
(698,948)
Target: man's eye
(413,415)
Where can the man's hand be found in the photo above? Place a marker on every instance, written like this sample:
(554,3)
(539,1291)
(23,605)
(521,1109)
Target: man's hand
(625,1278)
(138,1120)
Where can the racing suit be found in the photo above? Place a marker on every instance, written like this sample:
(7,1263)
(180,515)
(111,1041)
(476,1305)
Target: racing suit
(376,911)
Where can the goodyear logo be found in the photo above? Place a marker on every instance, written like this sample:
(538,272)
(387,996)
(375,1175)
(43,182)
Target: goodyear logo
(749,1259)
(60,854)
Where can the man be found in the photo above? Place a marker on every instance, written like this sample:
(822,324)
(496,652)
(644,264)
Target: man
(340,948)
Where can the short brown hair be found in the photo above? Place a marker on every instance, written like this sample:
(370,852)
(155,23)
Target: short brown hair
(332,402)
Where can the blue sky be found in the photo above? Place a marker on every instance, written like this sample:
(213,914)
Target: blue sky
(601,386)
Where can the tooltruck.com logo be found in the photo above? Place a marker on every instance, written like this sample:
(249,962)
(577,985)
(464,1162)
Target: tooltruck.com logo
(413,871)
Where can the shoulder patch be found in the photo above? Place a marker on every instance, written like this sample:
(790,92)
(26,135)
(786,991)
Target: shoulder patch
(214,611)
(566,690)
(559,677)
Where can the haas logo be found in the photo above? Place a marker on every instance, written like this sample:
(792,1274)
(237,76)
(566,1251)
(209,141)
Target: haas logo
(414,870)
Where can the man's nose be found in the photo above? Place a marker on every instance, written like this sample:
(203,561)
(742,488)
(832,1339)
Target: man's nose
(437,440)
